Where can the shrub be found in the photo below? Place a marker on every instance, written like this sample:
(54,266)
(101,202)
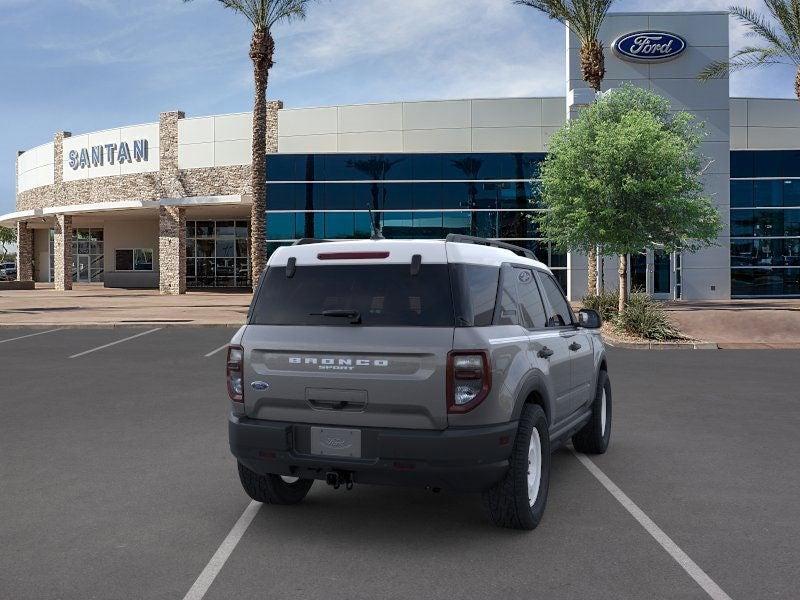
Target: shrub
(646,318)
(605,303)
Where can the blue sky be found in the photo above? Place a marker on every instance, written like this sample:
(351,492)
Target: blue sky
(84,65)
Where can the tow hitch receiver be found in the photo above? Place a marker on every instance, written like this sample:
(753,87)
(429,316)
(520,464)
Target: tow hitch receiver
(339,478)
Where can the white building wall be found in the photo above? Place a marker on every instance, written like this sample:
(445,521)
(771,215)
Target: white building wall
(706,275)
(765,124)
(481,125)
(35,167)
(87,141)
(215,141)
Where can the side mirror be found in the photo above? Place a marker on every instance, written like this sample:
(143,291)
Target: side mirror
(590,319)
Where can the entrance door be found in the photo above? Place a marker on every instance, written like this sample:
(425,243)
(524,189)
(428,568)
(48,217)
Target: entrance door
(662,271)
(83,268)
(638,271)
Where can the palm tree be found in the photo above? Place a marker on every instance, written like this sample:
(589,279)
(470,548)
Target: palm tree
(584,19)
(780,42)
(263,15)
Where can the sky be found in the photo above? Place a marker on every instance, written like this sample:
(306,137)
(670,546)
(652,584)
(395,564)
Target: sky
(86,65)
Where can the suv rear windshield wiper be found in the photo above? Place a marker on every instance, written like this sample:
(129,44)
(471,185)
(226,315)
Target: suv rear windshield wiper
(353,315)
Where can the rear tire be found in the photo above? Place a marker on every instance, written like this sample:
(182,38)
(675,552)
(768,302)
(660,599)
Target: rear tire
(518,500)
(596,434)
(273,489)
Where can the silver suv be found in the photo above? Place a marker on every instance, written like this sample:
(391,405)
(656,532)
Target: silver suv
(452,364)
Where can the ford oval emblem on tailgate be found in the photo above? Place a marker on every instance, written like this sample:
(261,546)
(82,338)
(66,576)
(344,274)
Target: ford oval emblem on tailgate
(259,385)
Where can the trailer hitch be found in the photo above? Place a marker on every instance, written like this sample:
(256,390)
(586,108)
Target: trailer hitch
(338,478)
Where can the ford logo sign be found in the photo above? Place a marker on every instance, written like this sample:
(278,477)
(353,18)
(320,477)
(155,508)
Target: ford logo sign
(259,385)
(649,46)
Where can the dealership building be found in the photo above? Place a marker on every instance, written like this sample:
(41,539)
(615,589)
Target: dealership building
(167,204)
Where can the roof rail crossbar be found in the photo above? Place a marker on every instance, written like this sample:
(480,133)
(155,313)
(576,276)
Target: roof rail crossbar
(306,241)
(469,239)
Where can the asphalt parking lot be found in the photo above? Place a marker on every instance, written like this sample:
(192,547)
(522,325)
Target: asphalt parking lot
(116,482)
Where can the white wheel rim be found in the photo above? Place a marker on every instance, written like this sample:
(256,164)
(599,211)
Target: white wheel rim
(534,466)
(603,414)
(289,479)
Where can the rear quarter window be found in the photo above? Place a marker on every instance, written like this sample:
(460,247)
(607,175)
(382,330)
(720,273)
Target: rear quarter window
(383,295)
(474,294)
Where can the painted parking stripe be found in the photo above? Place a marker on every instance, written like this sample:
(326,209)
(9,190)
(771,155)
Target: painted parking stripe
(214,566)
(115,343)
(687,564)
(22,337)
(220,349)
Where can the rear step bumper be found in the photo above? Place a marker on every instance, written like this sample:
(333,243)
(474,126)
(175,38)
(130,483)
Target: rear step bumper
(462,459)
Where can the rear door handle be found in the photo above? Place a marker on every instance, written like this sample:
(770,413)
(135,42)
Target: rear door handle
(545,352)
(574,346)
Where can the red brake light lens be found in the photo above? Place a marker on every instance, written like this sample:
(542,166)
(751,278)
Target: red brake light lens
(469,379)
(234,372)
(351,255)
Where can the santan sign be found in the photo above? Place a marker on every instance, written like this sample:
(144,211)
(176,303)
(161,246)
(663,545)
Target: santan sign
(97,156)
(649,46)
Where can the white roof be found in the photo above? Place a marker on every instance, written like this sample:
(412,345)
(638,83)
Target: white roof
(399,252)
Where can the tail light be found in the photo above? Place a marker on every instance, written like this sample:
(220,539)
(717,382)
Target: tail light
(469,379)
(234,373)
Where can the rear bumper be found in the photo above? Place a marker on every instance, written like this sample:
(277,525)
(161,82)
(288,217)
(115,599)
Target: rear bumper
(462,459)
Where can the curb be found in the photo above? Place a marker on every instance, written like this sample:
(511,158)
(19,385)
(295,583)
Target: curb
(663,345)
(115,325)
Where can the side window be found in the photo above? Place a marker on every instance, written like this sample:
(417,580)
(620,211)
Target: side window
(561,315)
(530,300)
(507,305)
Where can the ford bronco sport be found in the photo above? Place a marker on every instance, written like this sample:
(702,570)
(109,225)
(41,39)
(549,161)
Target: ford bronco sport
(452,364)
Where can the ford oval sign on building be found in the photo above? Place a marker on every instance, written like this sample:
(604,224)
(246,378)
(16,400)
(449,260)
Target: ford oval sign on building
(649,46)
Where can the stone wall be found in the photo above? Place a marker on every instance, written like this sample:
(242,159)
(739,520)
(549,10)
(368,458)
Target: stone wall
(24,252)
(172,250)
(62,253)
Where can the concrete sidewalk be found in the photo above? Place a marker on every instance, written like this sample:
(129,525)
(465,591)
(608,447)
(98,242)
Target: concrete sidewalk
(93,305)
(740,323)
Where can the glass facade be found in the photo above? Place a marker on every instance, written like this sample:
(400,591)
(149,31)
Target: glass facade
(765,223)
(492,195)
(218,254)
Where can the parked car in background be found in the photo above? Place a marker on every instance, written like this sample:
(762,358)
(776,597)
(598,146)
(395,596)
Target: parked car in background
(8,271)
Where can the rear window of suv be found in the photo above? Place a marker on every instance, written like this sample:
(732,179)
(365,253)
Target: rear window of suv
(382,295)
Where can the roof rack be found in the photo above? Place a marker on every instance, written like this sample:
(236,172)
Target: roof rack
(469,239)
(306,241)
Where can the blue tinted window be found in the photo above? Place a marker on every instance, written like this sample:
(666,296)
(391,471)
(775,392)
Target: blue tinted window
(455,195)
(339,225)
(309,225)
(340,196)
(426,166)
(426,195)
(280,226)
(457,222)
(742,164)
(428,224)
(363,227)
(742,223)
(398,225)
(791,192)
(768,163)
(281,167)
(741,194)
(765,282)
(282,196)
(791,222)
(768,193)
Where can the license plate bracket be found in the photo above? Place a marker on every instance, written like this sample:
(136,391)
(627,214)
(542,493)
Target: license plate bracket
(334,441)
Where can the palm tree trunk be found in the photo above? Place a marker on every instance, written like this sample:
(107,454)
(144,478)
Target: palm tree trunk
(593,70)
(261,52)
(623,282)
(593,67)
(797,84)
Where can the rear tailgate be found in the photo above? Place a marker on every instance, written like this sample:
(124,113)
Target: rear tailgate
(348,375)
(351,333)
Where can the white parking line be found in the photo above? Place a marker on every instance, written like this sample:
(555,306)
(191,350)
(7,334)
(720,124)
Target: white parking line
(688,565)
(213,352)
(115,343)
(22,337)
(214,566)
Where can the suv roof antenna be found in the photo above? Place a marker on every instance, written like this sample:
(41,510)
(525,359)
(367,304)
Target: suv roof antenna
(377,234)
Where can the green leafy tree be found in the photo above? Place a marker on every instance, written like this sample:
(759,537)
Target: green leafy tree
(626,175)
(8,236)
(263,15)
(778,40)
(584,19)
